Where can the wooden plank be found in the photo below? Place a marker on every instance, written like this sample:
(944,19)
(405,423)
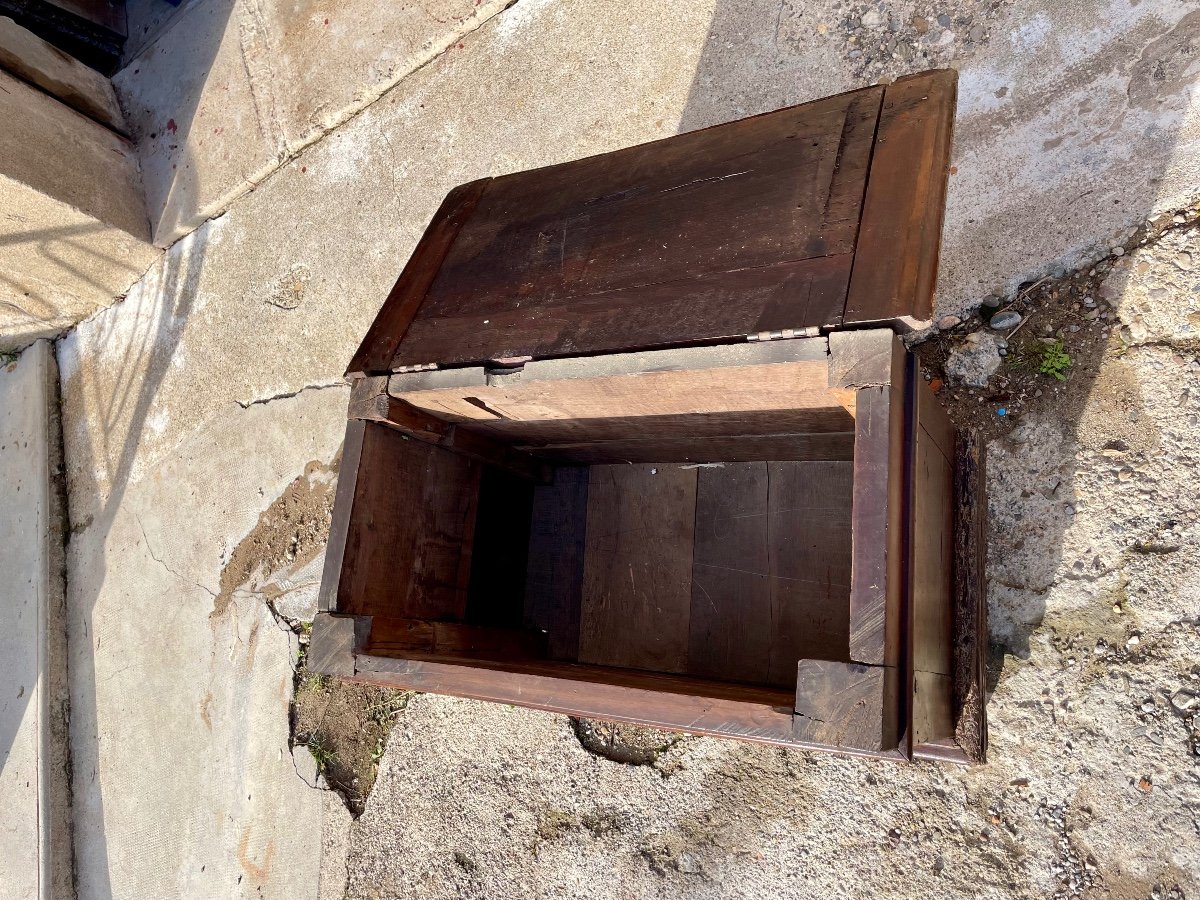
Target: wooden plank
(334,642)
(404,637)
(932,707)
(809,547)
(737,196)
(639,362)
(933,549)
(846,705)
(619,695)
(763,212)
(970,596)
(932,576)
(411,508)
(752,388)
(933,419)
(529,435)
(343,509)
(375,354)
(799,294)
(369,401)
(864,358)
(731,449)
(882,462)
(637,567)
(554,581)
(731,623)
(895,265)
(499,560)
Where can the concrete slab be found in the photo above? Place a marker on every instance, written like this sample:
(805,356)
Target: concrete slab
(183,687)
(28,57)
(73,229)
(35,849)
(229,89)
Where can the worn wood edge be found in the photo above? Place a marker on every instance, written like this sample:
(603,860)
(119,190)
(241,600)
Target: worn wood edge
(370,401)
(665,708)
(970,595)
(937,722)
(862,700)
(863,304)
(835,446)
(334,642)
(942,752)
(933,420)
(502,398)
(398,383)
(720,356)
(343,508)
(382,340)
(865,358)
(882,470)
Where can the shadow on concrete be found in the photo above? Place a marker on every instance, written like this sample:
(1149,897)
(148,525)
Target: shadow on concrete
(166,302)
(759,57)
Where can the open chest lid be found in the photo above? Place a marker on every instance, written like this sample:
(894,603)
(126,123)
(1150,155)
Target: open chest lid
(810,218)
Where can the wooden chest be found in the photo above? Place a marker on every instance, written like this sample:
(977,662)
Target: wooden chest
(633,438)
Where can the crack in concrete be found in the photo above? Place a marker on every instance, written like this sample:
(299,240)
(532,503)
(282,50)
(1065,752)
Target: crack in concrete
(287,395)
(158,559)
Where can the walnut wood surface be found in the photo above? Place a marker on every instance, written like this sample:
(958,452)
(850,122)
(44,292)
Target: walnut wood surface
(638,565)
(895,263)
(846,705)
(412,514)
(735,229)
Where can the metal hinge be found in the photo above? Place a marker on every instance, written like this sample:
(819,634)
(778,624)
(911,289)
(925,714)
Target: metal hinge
(784,334)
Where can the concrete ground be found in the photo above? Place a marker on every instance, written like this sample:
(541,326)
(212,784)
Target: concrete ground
(35,829)
(203,415)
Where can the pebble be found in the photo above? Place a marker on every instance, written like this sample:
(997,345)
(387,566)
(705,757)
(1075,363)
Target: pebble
(1185,701)
(921,25)
(978,33)
(1005,320)
(1183,259)
(854,54)
(1178,219)
(944,20)
(871,18)
(1118,251)
(947,322)
(1133,641)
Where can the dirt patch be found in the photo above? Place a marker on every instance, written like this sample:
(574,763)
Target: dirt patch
(1067,314)
(289,534)
(345,726)
(629,744)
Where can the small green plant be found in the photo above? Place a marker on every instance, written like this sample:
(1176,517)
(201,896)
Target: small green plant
(1053,360)
(314,682)
(322,755)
